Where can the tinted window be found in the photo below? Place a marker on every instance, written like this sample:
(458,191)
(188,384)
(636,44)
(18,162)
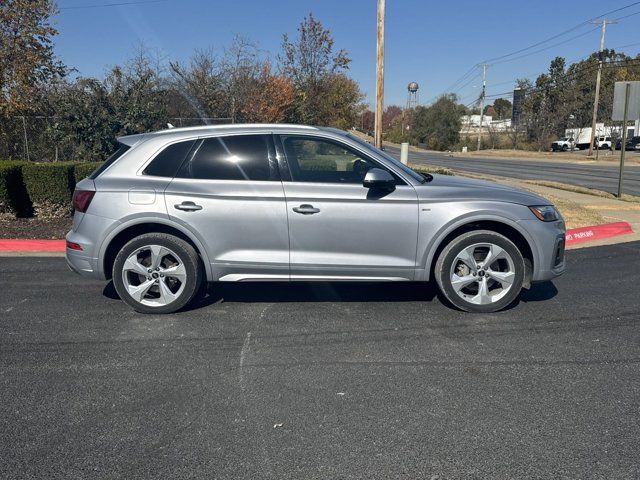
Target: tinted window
(168,161)
(325,161)
(238,157)
(122,148)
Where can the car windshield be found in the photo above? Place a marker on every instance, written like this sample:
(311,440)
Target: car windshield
(396,162)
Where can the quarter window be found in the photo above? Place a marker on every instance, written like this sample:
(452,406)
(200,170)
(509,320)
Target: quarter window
(324,161)
(168,161)
(238,157)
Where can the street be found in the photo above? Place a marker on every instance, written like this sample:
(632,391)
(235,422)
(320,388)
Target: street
(324,381)
(601,177)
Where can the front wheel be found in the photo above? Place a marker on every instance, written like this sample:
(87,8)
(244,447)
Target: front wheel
(157,273)
(480,271)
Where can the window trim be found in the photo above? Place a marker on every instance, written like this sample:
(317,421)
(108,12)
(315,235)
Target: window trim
(283,160)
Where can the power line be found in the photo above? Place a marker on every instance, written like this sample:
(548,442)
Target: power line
(576,27)
(118,4)
(542,42)
(548,48)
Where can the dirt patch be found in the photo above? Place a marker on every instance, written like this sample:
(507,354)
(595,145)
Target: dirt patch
(37,228)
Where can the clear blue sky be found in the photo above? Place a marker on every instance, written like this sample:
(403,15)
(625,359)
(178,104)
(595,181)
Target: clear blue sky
(433,43)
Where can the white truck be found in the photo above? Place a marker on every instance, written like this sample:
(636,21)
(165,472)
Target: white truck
(564,144)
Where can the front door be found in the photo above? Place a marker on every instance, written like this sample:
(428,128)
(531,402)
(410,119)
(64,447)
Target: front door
(228,192)
(338,229)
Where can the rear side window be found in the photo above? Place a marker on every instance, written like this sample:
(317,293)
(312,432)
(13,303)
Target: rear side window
(109,161)
(238,157)
(168,161)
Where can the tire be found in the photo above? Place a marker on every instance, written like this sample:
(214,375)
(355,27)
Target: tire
(565,148)
(157,273)
(502,279)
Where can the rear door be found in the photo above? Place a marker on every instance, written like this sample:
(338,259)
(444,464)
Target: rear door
(228,192)
(338,229)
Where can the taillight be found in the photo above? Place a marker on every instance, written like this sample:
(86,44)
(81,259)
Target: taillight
(74,245)
(82,199)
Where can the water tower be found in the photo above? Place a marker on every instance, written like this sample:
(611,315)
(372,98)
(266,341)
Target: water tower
(412,97)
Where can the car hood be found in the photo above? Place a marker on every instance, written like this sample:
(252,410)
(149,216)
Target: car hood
(450,188)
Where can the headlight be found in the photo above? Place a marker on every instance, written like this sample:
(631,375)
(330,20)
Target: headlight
(546,213)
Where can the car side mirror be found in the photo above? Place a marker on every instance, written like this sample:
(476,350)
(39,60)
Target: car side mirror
(376,178)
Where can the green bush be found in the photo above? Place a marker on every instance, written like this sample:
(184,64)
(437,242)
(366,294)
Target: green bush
(50,187)
(83,169)
(14,199)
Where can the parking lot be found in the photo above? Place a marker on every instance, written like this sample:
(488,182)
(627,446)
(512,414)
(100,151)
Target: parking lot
(321,380)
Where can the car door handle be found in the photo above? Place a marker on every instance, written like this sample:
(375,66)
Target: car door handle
(187,206)
(306,209)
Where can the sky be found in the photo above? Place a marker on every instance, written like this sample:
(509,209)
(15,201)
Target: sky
(432,43)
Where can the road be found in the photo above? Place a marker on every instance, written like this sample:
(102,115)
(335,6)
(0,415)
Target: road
(601,177)
(323,381)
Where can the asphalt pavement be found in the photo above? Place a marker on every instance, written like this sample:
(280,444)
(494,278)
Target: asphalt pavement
(601,177)
(322,381)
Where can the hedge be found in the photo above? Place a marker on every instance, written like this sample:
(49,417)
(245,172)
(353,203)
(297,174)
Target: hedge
(43,188)
(14,199)
(83,169)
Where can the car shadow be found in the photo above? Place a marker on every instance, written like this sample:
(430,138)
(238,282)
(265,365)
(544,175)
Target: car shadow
(539,292)
(284,292)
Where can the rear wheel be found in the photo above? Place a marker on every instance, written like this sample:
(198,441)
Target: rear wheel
(157,273)
(480,271)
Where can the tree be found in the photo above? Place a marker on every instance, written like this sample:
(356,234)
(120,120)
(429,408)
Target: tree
(390,113)
(201,84)
(239,69)
(27,60)
(311,64)
(437,125)
(270,99)
(502,108)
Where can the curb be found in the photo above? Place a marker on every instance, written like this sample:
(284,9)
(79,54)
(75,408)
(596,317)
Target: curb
(19,245)
(575,235)
(597,232)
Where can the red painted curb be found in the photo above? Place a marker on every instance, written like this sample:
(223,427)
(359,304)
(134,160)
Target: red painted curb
(27,245)
(595,232)
(575,235)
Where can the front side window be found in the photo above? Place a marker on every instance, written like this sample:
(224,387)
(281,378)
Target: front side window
(324,161)
(237,157)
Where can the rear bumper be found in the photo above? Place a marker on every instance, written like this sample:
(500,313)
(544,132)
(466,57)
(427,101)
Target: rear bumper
(81,264)
(88,233)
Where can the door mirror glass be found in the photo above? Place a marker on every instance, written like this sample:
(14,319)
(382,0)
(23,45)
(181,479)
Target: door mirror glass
(380,179)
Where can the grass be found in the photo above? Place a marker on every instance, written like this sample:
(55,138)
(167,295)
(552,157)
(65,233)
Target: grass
(583,190)
(576,215)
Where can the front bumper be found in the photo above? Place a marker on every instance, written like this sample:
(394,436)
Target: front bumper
(548,245)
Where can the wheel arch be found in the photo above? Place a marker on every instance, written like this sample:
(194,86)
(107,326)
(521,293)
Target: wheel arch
(503,226)
(127,231)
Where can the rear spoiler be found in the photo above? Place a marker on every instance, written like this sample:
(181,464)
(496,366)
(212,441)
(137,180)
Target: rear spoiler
(131,140)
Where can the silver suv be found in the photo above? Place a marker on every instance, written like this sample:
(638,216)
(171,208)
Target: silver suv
(173,209)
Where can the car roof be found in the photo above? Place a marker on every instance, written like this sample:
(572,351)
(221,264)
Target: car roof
(176,133)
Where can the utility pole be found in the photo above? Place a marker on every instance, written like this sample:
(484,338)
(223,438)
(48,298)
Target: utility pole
(379,76)
(482,95)
(596,100)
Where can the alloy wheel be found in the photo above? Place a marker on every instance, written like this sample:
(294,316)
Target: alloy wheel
(482,273)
